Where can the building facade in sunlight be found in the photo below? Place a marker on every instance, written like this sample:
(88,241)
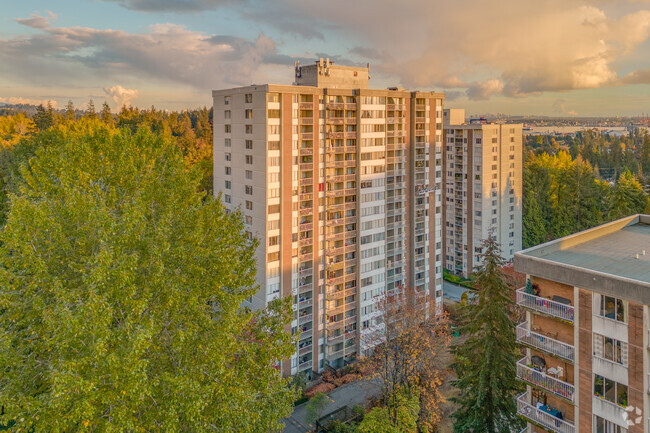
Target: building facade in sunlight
(585,335)
(482,189)
(342,186)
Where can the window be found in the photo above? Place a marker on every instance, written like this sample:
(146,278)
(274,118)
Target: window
(273,240)
(610,390)
(601,425)
(248,190)
(274,208)
(249,129)
(248,114)
(228,185)
(248,98)
(249,174)
(228,170)
(249,220)
(226,142)
(249,144)
(226,100)
(249,159)
(227,198)
(249,205)
(274,257)
(226,129)
(610,349)
(226,114)
(228,156)
(274,145)
(613,308)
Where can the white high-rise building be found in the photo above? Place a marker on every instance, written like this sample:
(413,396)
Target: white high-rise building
(482,189)
(342,185)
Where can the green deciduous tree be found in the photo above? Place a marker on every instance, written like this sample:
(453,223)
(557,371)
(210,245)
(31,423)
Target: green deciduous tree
(316,406)
(120,296)
(380,419)
(485,362)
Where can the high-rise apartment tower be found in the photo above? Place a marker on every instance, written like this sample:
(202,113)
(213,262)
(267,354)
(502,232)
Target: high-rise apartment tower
(482,189)
(342,186)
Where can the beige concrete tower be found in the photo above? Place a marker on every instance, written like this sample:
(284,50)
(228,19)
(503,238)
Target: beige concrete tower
(482,189)
(342,186)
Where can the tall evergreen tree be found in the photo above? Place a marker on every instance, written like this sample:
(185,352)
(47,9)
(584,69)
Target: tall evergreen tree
(627,197)
(90,110)
(107,116)
(533,226)
(43,118)
(485,363)
(69,111)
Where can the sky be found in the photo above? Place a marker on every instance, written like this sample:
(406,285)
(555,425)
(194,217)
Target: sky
(517,57)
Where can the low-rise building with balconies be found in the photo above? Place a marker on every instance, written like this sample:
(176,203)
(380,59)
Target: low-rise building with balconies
(585,336)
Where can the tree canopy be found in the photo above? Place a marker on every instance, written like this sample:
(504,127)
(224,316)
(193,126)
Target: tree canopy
(120,292)
(485,362)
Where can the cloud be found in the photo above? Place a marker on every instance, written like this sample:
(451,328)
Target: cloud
(168,53)
(461,46)
(172,5)
(28,101)
(559,106)
(120,95)
(484,89)
(530,48)
(37,21)
(641,76)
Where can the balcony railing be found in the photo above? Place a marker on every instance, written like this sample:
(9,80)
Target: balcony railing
(541,418)
(543,380)
(544,343)
(545,306)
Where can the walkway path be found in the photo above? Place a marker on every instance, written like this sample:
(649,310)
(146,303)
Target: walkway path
(350,394)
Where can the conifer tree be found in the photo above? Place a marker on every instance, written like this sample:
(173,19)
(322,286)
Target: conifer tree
(534,229)
(627,197)
(107,116)
(90,110)
(69,111)
(43,118)
(485,363)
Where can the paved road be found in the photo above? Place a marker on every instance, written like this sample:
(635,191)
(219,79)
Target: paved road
(347,395)
(452,291)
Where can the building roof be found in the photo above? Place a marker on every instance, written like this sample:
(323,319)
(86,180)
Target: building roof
(613,258)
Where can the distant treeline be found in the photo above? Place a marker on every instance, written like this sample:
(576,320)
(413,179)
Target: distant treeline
(575,183)
(191,130)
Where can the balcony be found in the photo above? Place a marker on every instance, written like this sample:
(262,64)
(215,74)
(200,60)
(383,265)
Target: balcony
(544,343)
(545,306)
(304,365)
(542,380)
(542,418)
